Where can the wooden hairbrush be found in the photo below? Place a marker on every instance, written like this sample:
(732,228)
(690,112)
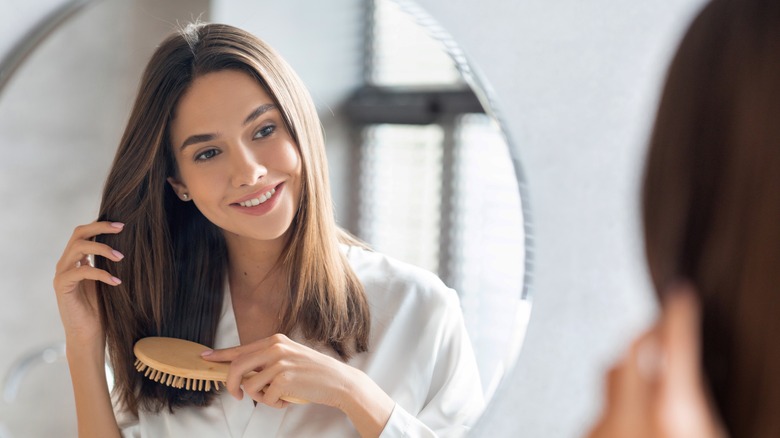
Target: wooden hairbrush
(177,363)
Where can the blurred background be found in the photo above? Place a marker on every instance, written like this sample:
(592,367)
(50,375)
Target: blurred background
(575,81)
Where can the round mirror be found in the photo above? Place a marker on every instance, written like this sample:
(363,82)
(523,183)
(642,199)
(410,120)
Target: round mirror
(420,167)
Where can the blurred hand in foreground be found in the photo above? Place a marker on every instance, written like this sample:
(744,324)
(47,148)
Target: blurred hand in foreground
(657,389)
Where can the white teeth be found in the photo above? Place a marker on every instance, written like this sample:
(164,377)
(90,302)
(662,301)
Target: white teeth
(257,201)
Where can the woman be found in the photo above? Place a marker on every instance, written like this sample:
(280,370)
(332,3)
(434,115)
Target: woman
(711,209)
(218,200)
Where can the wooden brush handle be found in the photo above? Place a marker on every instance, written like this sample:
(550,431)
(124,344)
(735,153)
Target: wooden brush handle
(177,362)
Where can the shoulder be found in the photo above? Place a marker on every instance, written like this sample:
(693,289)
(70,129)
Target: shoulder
(391,282)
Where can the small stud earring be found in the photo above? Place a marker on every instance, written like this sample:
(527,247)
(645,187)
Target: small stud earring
(185,196)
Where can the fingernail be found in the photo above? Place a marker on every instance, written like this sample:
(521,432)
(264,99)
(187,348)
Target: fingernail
(119,225)
(116,280)
(206,353)
(118,254)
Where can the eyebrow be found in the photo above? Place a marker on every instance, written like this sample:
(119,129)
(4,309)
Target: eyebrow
(201,138)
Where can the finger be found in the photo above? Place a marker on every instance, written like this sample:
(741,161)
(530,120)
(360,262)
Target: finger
(598,430)
(629,395)
(255,392)
(612,387)
(257,383)
(234,384)
(88,231)
(79,251)
(646,355)
(67,281)
(680,335)
(224,354)
(273,387)
(684,407)
(605,425)
(262,396)
(620,392)
(278,388)
(233,353)
(245,359)
(262,358)
(636,389)
(253,364)
(238,371)
(273,398)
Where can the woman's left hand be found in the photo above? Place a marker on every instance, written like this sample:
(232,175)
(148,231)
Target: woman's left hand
(657,390)
(284,368)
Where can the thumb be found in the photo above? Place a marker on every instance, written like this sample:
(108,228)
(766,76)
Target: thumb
(680,335)
(221,355)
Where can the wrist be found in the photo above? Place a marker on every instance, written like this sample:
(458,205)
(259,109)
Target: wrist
(85,352)
(366,405)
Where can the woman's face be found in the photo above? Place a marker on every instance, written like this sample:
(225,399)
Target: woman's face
(236,160)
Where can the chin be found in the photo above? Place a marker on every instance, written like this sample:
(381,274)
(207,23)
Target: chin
(267,233)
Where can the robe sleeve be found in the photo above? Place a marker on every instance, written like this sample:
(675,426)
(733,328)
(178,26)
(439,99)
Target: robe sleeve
(128,423)
(455,399)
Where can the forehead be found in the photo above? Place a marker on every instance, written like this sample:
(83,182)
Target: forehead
(216,101)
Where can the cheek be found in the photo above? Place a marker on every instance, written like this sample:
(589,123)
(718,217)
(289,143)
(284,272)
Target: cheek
(292,160)
(200,181)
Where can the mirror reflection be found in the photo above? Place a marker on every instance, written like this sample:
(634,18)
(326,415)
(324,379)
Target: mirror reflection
(418,170)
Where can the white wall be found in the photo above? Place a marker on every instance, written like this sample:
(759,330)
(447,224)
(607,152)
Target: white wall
(577,82)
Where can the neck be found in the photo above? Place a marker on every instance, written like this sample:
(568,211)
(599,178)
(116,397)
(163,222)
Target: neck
(253,265)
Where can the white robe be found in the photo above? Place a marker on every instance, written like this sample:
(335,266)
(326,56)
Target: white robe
(419,354)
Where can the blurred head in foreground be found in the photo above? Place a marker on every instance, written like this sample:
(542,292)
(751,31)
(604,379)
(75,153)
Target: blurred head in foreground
(711,202)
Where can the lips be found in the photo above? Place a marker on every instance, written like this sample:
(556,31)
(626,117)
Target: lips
(258,197)
(260,202)
(254,202)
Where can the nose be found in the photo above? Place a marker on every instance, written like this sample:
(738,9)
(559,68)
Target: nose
(246,168)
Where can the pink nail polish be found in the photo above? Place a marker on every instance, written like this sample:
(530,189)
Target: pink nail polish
(118,254)
(116,280)
(119,225)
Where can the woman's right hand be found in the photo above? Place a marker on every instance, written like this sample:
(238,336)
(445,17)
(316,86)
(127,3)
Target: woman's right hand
(74,283)
(657,390)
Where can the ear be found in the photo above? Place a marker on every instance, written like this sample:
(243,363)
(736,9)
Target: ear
(179,187)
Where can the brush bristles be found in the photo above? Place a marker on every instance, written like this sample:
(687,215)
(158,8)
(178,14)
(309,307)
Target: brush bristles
(175,381)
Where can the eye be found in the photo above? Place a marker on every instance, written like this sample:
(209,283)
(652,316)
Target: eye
(206,155)
(265,131)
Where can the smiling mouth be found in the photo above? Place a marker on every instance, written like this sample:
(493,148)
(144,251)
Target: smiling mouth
(257,201)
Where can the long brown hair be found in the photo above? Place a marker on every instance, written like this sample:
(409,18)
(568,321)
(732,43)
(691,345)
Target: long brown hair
(712,202)
(175,259)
